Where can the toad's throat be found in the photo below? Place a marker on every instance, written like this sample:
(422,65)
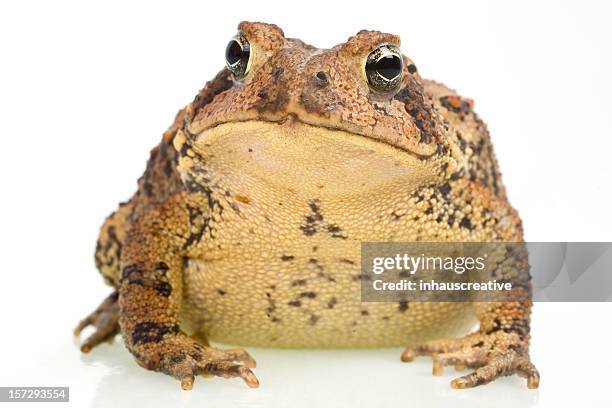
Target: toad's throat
(307,158)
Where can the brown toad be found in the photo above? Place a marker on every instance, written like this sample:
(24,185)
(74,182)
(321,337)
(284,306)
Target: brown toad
(247,223)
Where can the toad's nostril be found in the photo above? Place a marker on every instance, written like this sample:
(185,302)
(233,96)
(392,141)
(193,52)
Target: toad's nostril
(322,78)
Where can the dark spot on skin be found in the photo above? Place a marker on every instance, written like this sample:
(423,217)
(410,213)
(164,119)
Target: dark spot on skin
(365,313)
(200,223)
(385,318)
(362,277)
(314,319)
(516,348)
(329,277)
(310,295)
(112,244)
(287,258)
(417,106)
(308,229)
(479,344)
(271,308)
(313,222)
(298,282)
(496,326)
(333,228)
(395,216)
(479,381)
(178,358)
(147,188)
(466,223)
(185,148)
(429,210)
(162,266)
(131,273)
(163,288)
(221,292)
(441,150)
(196,356)
(156,279)
(456,104)
(278,73)
(151,332)
(295,303)
(332,302)
(347,261)
(457,175)
(519,327)
(451,220)
(168,169)
(315,262)
(444,168)
(109,280)
(445,189)
(336,231)
(403,306)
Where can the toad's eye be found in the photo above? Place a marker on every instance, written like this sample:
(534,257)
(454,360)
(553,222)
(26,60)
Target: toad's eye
(238,56)
(384,68)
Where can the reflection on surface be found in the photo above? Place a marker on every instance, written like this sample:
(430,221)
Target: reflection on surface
(108,376)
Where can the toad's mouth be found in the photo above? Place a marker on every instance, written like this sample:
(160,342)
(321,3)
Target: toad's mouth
(392,133)
(293,153)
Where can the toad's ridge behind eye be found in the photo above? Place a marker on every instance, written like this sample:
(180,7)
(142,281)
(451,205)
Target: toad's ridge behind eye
(238,55)
(384,68)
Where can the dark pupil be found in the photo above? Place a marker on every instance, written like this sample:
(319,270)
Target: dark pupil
(234,52)
(389,66)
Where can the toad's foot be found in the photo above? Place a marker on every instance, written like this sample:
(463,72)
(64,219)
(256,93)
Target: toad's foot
(106,321)
(492,355)
(183,358)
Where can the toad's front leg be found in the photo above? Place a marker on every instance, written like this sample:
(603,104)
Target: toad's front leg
(500,347)
(150,297)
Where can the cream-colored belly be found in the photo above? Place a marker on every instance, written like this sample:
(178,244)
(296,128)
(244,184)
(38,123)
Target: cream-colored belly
(271,307)
(283,266)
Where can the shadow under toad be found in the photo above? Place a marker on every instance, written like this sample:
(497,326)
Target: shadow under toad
(296,378)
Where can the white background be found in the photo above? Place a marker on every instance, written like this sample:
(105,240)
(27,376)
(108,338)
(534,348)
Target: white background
(87,88)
